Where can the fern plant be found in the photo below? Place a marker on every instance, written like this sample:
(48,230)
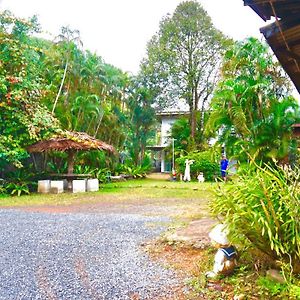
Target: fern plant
(17,189)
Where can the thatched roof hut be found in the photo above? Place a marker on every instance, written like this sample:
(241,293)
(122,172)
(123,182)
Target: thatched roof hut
(68,141)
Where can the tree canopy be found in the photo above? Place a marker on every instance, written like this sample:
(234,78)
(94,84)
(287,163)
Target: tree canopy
(182,61)
(23,118)
(49,86)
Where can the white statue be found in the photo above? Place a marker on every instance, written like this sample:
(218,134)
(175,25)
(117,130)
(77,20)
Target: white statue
(187,171)
(225,258)
(200,177)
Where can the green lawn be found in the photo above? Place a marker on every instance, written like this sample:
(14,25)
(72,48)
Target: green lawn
(161,191)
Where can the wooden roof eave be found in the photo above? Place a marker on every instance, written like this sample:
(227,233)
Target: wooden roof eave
(284,39)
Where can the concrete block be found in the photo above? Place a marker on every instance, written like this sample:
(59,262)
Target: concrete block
(44,186)
(79,186)
(92,185)
(66,186)
(54,190)
(59,184)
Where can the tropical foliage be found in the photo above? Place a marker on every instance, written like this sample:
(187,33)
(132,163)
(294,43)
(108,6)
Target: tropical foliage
(49,86)
(251,108)
(141,123)
(23,118)
(204,162)
(261,208)
(181,133)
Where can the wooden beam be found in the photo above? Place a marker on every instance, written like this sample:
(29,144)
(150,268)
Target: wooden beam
(290,54)
(272,29)
(292,44)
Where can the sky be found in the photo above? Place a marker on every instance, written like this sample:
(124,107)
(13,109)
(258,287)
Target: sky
(118,30)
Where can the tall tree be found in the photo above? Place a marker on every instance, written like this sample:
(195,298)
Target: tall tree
(23,119)
(251,108)
(69,38)
(182,60)
(140,121)
(94,97)
(181,133)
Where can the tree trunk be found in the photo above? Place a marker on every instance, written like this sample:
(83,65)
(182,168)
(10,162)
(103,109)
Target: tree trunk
(60,88)
(71,158)
(142,153)
(98,126)
(193,123)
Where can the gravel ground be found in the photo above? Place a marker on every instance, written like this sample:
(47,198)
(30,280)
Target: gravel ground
(80,256)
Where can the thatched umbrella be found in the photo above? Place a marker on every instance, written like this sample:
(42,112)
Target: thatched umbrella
(70,142)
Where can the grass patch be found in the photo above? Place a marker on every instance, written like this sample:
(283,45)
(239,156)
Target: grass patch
(158,189)
(161,191)
(42,199)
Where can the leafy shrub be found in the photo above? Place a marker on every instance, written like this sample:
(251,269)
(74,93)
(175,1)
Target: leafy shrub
(17,188)
(18,182)
(2,187)
(147,163)
(203,162)
(276,290)
(57,163)
(103,175)
(262,206)
(83,169)
(294,291)
(273,288)
(94,159)
(134,171)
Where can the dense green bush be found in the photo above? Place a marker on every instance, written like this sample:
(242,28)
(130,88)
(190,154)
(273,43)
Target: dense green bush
(262,207)
(203,162)
(132,171)
(18,182)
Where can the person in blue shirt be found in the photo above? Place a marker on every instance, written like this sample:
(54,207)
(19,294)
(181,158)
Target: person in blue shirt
(224,165)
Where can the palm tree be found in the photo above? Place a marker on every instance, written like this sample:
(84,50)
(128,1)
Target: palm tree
(251,109)
(68,38)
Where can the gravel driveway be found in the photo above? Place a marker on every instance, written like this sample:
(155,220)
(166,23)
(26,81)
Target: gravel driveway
(80,256)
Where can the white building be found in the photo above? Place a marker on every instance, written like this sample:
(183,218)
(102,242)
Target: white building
(163,140)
